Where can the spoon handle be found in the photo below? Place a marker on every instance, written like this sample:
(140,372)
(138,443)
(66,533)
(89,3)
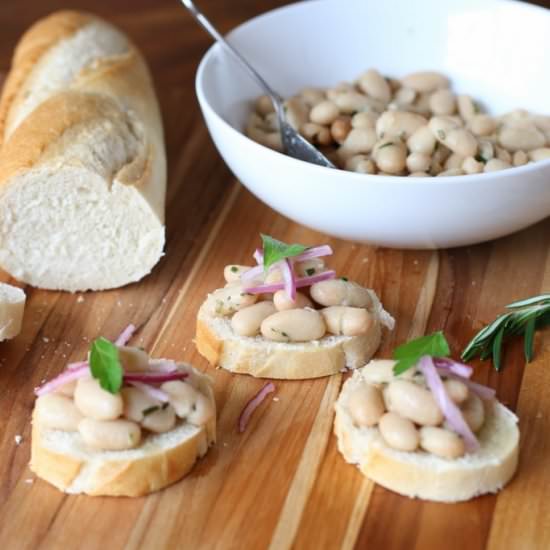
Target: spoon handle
(199,16)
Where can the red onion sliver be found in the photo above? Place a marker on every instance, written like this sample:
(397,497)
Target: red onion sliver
(77,365)
(253,273)
(289,279)
(315,252)
(449,409)
(125,335)
(65,377)
(482,391)
(155,393)
(253,404)
(455,367)
(300,282)
(154,377)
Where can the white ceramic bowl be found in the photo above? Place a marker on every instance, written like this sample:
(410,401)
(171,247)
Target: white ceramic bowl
(495,50)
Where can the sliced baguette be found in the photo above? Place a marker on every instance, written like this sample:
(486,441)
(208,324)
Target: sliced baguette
(12,307)
(221,346)
(82,160)
(422,475)
(62,459)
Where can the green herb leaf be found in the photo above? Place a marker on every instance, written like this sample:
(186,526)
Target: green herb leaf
(526,317)
(149,410)
(105,365)
(387,144)
(275,250)
(234,269)
(407,355)
(310,271)
(441,135)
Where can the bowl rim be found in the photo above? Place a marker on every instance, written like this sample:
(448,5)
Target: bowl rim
(372,179)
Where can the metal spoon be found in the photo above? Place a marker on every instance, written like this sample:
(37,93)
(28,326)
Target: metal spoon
(294,144)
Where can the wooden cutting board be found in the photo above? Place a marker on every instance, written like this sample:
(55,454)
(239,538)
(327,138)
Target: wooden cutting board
(282,484)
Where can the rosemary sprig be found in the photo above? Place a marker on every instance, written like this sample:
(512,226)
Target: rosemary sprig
(525,317)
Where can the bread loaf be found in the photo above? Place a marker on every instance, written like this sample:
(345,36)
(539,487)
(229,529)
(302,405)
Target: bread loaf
(82,160)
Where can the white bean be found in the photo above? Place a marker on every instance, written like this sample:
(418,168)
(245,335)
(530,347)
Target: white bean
(413,402)
(458,140)
(515,138)
(231,299)
(441,442)
(340,292)
(282,301)
(296,111)
(391,156)
(418,162)
(349,321)
(539,154)
(294,325)
(375,85)
(67,388)
(380,371)
(340,128)
(360,140)
(350,102)
(57,412)
(472,166)
(247,321)
(110,435)
(188,402)
(451,172)
(264,105)
(494,165)
(454,161)
(364,120)
(425,81)
(160,420)
(95,402)
(399,432)
(520,157)
(466,107)
(316,134)
(482,125)
(312,96)
(360,163)
(419,174)
(232,273)
(324,113)
(404,97)
(443,102)
(136,403)
(309,267)
(401,124)
(422,141)
(473,411)
(365,405)
(457,390)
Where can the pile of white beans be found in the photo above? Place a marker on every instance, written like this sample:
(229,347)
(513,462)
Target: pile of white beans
(343,307)
(406,413)
(415,126)
(115,422)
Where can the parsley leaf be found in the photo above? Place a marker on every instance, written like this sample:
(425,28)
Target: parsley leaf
(105,365)
(408,354)
(275,250)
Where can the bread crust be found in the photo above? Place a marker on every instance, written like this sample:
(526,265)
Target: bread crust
(418,475)
(266,359)
(36,41)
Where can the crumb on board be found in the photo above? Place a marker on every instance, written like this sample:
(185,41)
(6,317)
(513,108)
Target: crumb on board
(80,299)
(45,339)
(18,439)
(275,399)
(29,480)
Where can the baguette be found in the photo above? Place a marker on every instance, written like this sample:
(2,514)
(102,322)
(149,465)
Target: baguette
(220,345)
(423,475)
(12,307)
(82,159)
(64,460)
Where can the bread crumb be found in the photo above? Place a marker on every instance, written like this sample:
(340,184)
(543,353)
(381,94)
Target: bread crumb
(275,399)
(29,480)
(365,260)
(224,444)
(18,439)
(80,299)
(45,339)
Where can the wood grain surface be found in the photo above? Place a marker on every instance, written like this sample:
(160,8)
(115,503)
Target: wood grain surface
(282,484)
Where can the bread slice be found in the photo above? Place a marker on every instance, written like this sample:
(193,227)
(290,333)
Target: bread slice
(62,459)
(422,475)
(12,307)
(221,346)
(82,160)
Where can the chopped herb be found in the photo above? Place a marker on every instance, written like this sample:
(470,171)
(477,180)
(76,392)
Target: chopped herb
(441,135)
(275,250)
(525,317)
(408,354)
(387,144)
(150,410)
(480,158)
(105,365)
(165,406)
(234,269)
(285,334)
(310,271)
(344,279)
